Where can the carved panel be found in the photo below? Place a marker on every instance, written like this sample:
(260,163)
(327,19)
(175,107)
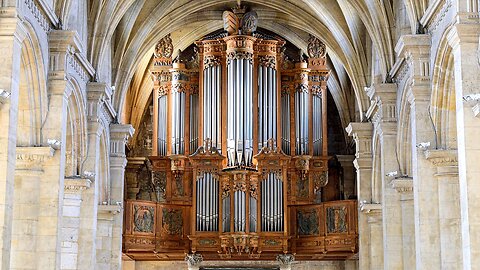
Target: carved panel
(143,218)
(307,222)
(337,219)
(172,221)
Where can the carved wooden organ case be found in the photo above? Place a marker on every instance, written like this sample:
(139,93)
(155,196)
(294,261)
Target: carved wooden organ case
(240,154)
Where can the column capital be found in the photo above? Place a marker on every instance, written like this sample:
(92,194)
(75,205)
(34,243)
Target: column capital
(285,260)
(121,132)
(446,161)
(346,160)
(65,41)
(362,134)
(402,185)
(11,24)
(193,260)
(463,33)
(412,47)
(373,211)
(76,185)
(100,105)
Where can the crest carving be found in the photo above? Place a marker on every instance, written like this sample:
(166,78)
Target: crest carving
(316,48)
(164,48)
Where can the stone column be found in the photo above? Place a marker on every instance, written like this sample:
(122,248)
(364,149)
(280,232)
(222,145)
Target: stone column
(373,214)
(98,118)
(119,135)
(404,186)
(449,206)
(362,134)
(28,174)
(61,45)
(11,37)
(106,216)
(385,121)
(464,38)
(416,50)
(348,175)
(70,235)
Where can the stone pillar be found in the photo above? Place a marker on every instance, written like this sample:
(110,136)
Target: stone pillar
(449,206)
(193,261)
(107,214)
(99,116)
(373,214)
(48,249)
(119,135)
(384,115)
(416,50)
(348,175)
(70,235)
(404,186)
(11,37)
(28,174)
(464,38)
(362,134)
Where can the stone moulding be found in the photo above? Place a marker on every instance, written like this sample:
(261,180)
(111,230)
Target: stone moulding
(33,158)
(76,184)
(402,185)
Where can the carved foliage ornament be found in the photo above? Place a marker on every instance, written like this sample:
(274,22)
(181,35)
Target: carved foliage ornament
(164,47)
(316,48)
(268,61)
(240,56)
(211,61)
(193,259)
(159,181)
(172,221)
(320,179)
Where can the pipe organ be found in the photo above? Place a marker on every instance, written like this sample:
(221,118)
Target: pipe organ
(240,154)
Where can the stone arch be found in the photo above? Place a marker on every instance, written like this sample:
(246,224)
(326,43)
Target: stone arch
(102,169)
(404,135)
(76,132)
(376,184)
(32,111)
(443,108)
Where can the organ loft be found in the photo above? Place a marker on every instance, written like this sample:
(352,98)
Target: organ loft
(233,161)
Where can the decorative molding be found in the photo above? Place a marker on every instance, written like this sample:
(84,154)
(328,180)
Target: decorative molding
(73,184)
(239,55)
(370,207)
(434,15)
(211,61)
(402,185)
(269,61)
(4,96)
(33,158)
(110,209)
(38,15)
(442,158)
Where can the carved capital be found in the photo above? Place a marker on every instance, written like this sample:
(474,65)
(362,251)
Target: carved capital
(362,134)
(446,161)
(372,210)
(74,185)
(402,185)
(285,259)
(193,259)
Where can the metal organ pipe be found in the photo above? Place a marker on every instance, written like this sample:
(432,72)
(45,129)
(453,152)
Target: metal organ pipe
(272,203)
(162,124)
(317,124)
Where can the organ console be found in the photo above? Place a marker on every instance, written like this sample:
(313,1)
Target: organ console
(240,154)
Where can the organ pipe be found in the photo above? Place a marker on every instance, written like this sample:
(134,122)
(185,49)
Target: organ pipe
(207,203)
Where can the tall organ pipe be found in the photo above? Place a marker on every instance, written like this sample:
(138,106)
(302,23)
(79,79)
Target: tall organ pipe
(301,119)
(212,106)
(162,124)
(267,104)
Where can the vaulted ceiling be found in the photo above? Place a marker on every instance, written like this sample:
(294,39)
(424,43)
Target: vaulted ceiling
(359,35)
